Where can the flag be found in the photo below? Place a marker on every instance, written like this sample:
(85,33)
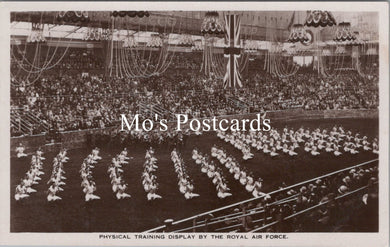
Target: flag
(232,51)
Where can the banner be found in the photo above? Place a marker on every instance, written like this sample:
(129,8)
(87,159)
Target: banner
(232,51)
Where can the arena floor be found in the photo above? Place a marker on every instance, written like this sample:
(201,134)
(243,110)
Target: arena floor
(136,214)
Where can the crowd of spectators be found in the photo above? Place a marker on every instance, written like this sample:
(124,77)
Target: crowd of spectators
(322,205)
(83,101)
(311,92)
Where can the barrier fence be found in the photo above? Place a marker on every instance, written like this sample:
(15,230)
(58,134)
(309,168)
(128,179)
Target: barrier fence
(265,227)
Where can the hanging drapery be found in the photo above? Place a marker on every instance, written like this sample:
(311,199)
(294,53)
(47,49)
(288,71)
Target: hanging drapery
(278,62)
(318,18)
(331,63)
(28,60)
(298,32)
(330,59)
(213,62)
(248,45)
(366,63)
(141,53)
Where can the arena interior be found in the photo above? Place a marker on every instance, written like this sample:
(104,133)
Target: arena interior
(314,74)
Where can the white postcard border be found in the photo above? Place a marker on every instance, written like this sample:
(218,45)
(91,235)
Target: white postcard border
(294,239)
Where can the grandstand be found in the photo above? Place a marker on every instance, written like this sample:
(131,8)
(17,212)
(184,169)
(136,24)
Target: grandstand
(314,74)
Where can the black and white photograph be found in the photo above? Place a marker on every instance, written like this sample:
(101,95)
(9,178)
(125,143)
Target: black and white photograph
(249,123)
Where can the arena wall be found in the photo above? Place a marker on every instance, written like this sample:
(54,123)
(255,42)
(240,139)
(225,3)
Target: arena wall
(78,139)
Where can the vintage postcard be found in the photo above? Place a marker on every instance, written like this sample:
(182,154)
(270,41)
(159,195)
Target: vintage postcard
(194,123)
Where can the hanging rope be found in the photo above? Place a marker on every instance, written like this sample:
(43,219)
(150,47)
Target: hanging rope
(276,62)
(138,61)
(367,57)
(35,68)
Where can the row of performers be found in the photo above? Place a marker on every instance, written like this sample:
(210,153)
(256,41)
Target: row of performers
(57,176)
(208,167)
(186,186)
(251,185)
(115,172)
(32,177)
(149,179)
(314,141)
(88,184)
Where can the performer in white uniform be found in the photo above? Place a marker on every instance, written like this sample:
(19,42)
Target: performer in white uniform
(20,151)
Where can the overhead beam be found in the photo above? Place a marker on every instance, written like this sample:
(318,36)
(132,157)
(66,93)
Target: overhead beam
(185,24)
(73,31)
